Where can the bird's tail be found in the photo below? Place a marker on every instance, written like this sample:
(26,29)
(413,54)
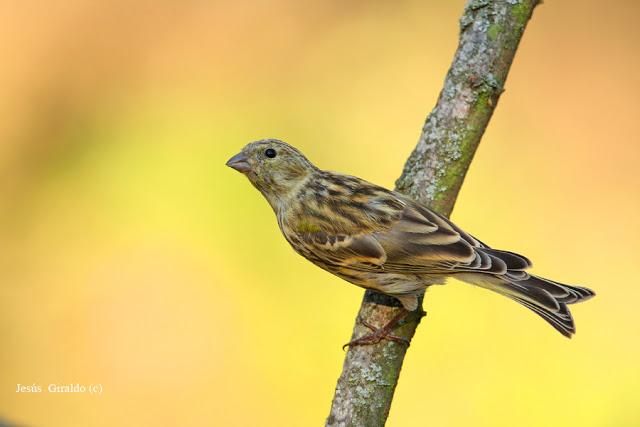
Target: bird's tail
(546,298)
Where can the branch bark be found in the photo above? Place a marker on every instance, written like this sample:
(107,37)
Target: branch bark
(490,31)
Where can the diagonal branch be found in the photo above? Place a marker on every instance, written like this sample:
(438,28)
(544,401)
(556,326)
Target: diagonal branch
(490,31)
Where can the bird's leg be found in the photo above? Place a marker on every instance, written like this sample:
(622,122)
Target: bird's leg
(378,334)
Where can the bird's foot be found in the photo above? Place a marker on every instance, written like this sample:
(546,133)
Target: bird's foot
(379,334)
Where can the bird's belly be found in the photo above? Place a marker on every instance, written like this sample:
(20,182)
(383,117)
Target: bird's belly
(387,283)
(376,279)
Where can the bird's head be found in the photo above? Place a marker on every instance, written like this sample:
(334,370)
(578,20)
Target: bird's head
(273,167)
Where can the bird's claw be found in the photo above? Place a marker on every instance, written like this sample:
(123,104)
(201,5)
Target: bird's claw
(377,335)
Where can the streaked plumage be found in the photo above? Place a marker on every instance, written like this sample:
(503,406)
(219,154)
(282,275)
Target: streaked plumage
(380,239)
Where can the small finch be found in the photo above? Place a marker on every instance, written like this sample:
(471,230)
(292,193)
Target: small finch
(382,240)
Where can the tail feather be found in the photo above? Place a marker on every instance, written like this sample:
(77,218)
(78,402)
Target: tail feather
(563,293)
(548,299)
(532,294)
(561,320)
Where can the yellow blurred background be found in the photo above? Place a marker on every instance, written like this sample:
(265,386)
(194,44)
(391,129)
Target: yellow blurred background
(131,257)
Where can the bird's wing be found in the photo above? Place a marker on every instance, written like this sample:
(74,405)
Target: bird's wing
(365,227)
(424,242)
(336,225)
(360,252)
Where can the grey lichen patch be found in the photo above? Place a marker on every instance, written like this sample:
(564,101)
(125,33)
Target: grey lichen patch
(370,374)
(387,353)
(465,21)
(452,150)
(491,81)
(370,390)
(469,17)
(481,25)
(362,395)
(477,4)
(373,374)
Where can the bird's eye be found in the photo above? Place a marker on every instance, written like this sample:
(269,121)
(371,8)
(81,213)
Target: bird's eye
(270,153)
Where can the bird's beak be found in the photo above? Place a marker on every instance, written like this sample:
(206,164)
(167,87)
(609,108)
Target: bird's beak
(239,162)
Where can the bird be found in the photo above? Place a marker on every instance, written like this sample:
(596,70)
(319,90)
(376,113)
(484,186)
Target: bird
(382,240)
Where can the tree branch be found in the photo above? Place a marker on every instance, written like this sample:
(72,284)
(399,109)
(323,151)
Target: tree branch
(490,31)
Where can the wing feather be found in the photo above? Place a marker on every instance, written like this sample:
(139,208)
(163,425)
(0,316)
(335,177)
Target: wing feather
(377,230)
(359,252)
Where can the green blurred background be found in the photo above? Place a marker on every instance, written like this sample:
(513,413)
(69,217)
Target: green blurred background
(132,257)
